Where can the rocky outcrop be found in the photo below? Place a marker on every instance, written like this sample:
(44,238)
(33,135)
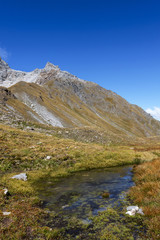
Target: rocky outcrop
(5,95)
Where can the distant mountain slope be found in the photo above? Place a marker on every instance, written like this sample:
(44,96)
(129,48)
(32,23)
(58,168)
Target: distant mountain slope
(58,98)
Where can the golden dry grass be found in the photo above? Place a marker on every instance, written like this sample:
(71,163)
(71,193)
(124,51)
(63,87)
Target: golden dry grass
(146,194)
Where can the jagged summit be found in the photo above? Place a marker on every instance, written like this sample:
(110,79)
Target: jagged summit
(9,77)
(50,66)
(3,64)
(3,70)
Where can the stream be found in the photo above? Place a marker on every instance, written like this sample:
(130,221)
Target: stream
(80,194)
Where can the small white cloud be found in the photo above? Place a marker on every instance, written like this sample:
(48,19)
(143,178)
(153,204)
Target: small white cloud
(3,53)
(155,112)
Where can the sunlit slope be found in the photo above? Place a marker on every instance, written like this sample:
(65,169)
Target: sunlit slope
(71,103)
(106,105)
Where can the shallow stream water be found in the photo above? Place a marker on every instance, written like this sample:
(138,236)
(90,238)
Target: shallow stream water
(80,194)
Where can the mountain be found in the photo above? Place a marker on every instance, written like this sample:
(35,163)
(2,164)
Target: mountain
(57,98)
(9,77)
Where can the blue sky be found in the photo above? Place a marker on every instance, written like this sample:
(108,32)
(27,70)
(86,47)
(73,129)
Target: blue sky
(111,42)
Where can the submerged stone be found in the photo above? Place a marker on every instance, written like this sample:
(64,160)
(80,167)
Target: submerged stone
(105,195)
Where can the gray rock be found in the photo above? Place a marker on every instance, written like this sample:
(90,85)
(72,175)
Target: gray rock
(131,212)
(130,208)
(21,176)
(6,213)
(140,211)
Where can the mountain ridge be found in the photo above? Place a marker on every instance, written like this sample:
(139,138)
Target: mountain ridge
(9,77)
(57,98)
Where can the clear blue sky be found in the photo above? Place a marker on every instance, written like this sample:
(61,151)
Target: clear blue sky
(115,43)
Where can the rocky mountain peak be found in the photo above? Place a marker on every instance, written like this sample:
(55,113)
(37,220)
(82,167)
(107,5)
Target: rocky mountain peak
(9,77)
(3,64)
(49,66)
(4,67)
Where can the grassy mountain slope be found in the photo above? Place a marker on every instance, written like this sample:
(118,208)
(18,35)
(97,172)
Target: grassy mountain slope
(71,103)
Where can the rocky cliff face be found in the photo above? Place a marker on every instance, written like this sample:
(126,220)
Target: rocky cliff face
(60,99)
